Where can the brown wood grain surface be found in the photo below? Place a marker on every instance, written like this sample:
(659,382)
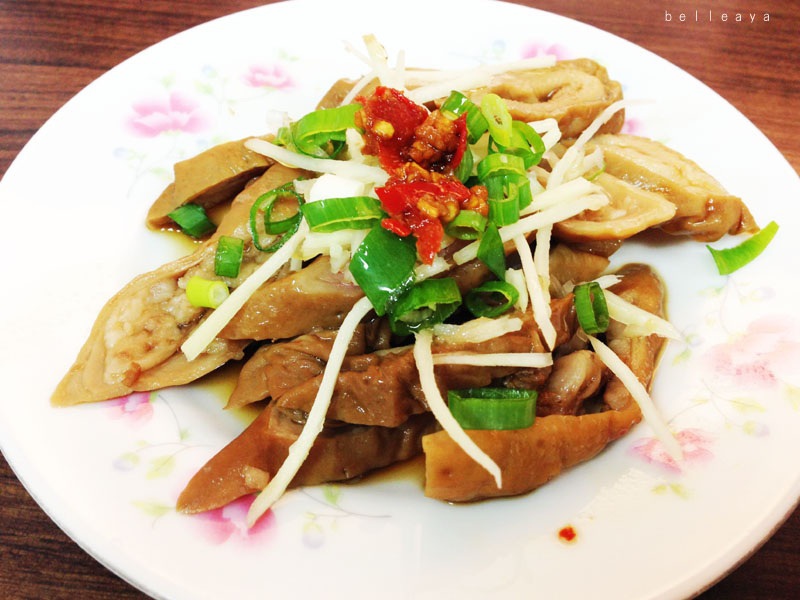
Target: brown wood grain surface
(50,50)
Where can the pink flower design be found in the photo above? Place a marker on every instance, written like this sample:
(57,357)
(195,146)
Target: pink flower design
(534,49)
(135,407)
(268,76)
(230,523)
(765,355)
(693,442)
(633,127)
(175,113)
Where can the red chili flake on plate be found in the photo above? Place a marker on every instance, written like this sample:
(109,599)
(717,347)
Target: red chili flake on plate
(568,534)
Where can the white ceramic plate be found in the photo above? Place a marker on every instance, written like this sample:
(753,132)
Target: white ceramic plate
(109,473)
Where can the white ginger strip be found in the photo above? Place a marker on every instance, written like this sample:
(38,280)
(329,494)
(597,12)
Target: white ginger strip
(638,321)
(300,448)
(443,82)
(534,360)
(477,330)
(424,361)
(649,410)
(563,210)
(576,151)
(345,168)
(538,297)
(205,333)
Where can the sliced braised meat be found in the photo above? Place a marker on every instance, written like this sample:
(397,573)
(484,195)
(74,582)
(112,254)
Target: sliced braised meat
(630,210)
(313,297)
(215,175)
(574,378)
(531,457)
(134,344)
(569,264)
(640,286)
(275,368)
(705,210)
(528,457)
(574,92)
(247,463)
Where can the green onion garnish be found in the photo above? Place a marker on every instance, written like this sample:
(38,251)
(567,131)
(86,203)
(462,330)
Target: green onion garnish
(493,408)
(458,104)
(467,225)
(497,116)
(590,307)
(193,220)
(321,133)
(500,163)
(383,266)
(228,257)
(508,194)
(334,214)
(208,293)
(491,299)
(424,305)
(262,224)
(525,143)
(491,251)
(729,260)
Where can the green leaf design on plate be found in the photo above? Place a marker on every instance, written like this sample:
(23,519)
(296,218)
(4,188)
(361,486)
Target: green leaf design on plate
(161,466)
(747,405)
(332,493)
(153,509)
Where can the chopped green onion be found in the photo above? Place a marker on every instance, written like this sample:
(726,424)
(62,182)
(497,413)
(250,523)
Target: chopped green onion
(464,169)
(458,104)
(590,307)
(208,293)
(495,111)
(228,257)
(467,225)
(261,223)
(424,305)
(313,133)
(491,251)
(500,163)
(383,266)
(729,260)
(334,214)
(493,408)
(525,143)
(193,220)
(491,299)
(508,195)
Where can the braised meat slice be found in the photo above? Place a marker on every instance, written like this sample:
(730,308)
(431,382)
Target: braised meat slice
(339,453)
(533,456)
(705,211)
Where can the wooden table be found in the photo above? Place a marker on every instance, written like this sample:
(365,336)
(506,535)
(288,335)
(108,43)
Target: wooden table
(51,50)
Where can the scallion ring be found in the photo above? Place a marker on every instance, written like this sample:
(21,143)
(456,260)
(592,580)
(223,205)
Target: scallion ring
(335,214)
(467,225)
(228,257)
(206,293)
(729,260)
(193,220)
(508,194)
(495,111)
(493,408)
(383,266)
(262,224)
(458,104)
(491,251)
(590,307)
(491,299)
(315,131)
(424,305)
